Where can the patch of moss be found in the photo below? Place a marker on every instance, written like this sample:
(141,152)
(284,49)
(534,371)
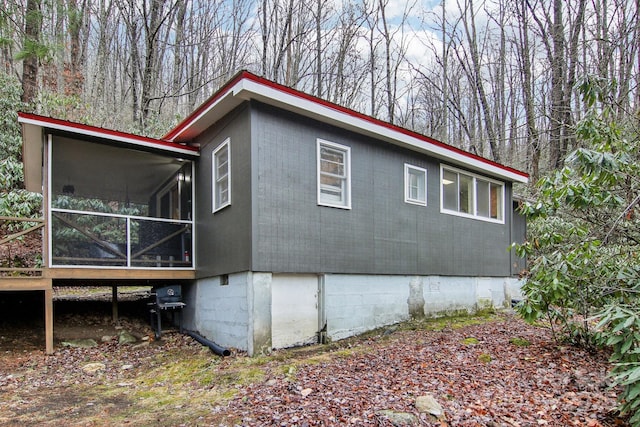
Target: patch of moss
(519,342)
(485,358)
(289,371)
(470,341)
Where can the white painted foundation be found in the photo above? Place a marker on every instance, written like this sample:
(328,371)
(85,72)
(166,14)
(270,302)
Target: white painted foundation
(259,311)
(219,312)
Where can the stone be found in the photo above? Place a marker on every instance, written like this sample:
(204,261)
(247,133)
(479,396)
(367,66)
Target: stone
(125,337)
(399,419)
(126,367)
(106,338)
(80,343)
(92,368)
(427,404)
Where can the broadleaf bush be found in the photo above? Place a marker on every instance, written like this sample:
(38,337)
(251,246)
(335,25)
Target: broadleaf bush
(584,244)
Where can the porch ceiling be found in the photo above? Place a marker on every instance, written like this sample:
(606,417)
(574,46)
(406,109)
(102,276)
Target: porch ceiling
(106,172)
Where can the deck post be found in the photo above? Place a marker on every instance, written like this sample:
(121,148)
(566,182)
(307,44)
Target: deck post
(114,303)
(48,320)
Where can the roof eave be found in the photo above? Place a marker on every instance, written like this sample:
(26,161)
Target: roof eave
(325,112)
(246,86)
(107,135)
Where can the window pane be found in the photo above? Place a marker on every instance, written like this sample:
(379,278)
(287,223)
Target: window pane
(482,189)
(416,185)
(221,177)
(223,192)
(466,193)
(450,190)
(332,161)
(333,175)
(221,162)
(496,201)
(331,188)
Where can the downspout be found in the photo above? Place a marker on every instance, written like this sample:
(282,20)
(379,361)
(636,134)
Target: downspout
(322,315)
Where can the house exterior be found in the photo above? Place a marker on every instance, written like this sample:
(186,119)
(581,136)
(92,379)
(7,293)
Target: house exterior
(288,219)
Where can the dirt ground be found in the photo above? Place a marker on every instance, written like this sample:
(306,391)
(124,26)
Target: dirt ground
(491,370)
(78,313)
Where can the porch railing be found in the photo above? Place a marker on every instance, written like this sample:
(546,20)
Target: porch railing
(95,239)
(20,246)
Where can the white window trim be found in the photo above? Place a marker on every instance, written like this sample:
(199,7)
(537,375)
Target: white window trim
(407,193)
(347,165)
(214,177)
(475,202)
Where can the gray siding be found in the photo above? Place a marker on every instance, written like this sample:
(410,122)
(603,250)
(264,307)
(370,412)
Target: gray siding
(381,234)
(519,235)
(223,239)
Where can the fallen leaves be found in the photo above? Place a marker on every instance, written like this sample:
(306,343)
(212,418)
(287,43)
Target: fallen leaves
(353,382)
(520,385)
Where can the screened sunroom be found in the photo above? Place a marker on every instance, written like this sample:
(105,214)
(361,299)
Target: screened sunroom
(115,201)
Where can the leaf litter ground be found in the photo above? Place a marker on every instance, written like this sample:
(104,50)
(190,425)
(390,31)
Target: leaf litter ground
(484,371)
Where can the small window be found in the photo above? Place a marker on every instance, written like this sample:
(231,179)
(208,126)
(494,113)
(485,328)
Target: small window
(221,176)
(415,185)
(334,175)
(470,195)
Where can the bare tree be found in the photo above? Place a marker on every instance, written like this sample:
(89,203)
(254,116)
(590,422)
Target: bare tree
(31,51)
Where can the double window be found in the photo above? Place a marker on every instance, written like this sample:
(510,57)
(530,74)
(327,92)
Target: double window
(470,195)
(221,176)
(415,185)
(334,175)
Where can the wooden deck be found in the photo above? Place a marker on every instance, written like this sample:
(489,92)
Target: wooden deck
(85,276)
(34,278)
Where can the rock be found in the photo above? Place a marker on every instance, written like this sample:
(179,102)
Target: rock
(399,419)
(429,405)
(92,368)
(106,338)
(125,337)
(306,392)
(81,343)
(126,367)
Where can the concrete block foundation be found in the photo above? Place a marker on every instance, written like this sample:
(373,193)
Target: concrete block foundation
(257,311)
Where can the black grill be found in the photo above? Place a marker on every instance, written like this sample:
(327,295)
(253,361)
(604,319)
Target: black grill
(167,299)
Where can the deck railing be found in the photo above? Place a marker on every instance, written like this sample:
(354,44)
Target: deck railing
(20,246)
(95,239)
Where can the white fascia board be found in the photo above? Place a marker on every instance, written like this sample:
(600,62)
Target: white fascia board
(110,136)
(194,121)
(248,89)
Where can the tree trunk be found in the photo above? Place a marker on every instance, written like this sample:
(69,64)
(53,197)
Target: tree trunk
(75,79)
(30,65)
(533,138)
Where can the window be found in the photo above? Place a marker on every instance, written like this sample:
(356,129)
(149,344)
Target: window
(334,175)
(470,195)
(221,176)
(415,185)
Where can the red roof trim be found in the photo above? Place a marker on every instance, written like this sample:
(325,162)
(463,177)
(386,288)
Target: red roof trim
(205,105)
(261,80)
(82,128)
